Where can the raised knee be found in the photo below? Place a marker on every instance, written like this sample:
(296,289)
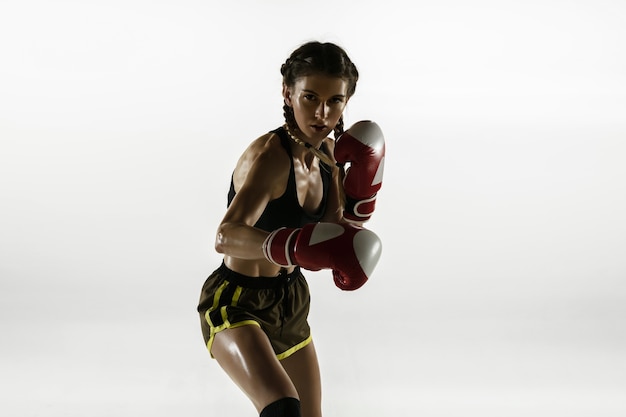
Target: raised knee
(285,407)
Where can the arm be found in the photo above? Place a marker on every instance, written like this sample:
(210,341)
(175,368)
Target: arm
(262,174)
(335,209)
(349,250)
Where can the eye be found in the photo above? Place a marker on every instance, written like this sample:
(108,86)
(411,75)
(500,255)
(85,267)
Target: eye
(310,97)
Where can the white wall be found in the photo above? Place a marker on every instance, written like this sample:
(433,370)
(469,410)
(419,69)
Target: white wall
(501,289)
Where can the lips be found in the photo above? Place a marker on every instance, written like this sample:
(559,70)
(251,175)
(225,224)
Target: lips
(319,128)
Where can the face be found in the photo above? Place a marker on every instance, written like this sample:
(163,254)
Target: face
(318,102)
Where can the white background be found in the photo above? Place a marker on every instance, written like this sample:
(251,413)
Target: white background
(501,290)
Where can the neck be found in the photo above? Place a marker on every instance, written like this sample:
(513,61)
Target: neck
(314,151)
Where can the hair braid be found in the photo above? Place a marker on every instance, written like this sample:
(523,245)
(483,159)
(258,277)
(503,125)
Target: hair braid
(339,128)
(290,118)
(342,171)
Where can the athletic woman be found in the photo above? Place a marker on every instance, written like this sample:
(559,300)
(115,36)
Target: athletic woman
(287,211)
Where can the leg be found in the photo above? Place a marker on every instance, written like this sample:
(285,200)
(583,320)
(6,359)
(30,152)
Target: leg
(247,357)
(304,371)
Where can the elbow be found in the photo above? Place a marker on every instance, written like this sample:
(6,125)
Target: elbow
(219,248)
(219,241)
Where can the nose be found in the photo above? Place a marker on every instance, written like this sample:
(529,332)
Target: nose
(321,111)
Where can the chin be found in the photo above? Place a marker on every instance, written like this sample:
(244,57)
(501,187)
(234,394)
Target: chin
(317,134)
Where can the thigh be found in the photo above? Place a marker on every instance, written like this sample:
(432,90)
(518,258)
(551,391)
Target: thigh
(303,370)
(246,355)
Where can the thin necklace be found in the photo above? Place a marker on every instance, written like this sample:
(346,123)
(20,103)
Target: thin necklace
(317,152)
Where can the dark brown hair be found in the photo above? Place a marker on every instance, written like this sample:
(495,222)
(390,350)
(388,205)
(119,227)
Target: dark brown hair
(318,58)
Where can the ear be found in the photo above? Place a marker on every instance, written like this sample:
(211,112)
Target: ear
(287,95)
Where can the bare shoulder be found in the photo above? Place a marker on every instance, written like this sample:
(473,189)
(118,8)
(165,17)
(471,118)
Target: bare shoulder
(263,160)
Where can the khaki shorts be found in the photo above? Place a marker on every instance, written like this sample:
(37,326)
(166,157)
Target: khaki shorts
(278,305)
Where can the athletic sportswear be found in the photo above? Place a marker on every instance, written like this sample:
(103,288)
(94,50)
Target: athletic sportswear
(285,211)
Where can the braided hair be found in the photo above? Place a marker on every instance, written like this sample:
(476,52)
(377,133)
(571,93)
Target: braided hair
(318,58)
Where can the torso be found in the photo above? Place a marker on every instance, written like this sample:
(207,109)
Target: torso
(304,198)
(301,197)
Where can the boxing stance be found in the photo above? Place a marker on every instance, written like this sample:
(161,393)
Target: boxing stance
(285,214)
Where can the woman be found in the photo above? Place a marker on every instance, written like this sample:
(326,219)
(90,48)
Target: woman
(285,186)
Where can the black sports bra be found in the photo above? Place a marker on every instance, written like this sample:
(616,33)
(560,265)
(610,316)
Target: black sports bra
(285,211)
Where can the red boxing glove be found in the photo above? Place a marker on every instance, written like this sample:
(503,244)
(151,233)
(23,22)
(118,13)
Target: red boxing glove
(351,252)
(363,145)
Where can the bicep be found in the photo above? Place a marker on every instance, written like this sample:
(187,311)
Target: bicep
(236,235)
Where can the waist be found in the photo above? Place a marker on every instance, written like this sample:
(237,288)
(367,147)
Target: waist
(261,282)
